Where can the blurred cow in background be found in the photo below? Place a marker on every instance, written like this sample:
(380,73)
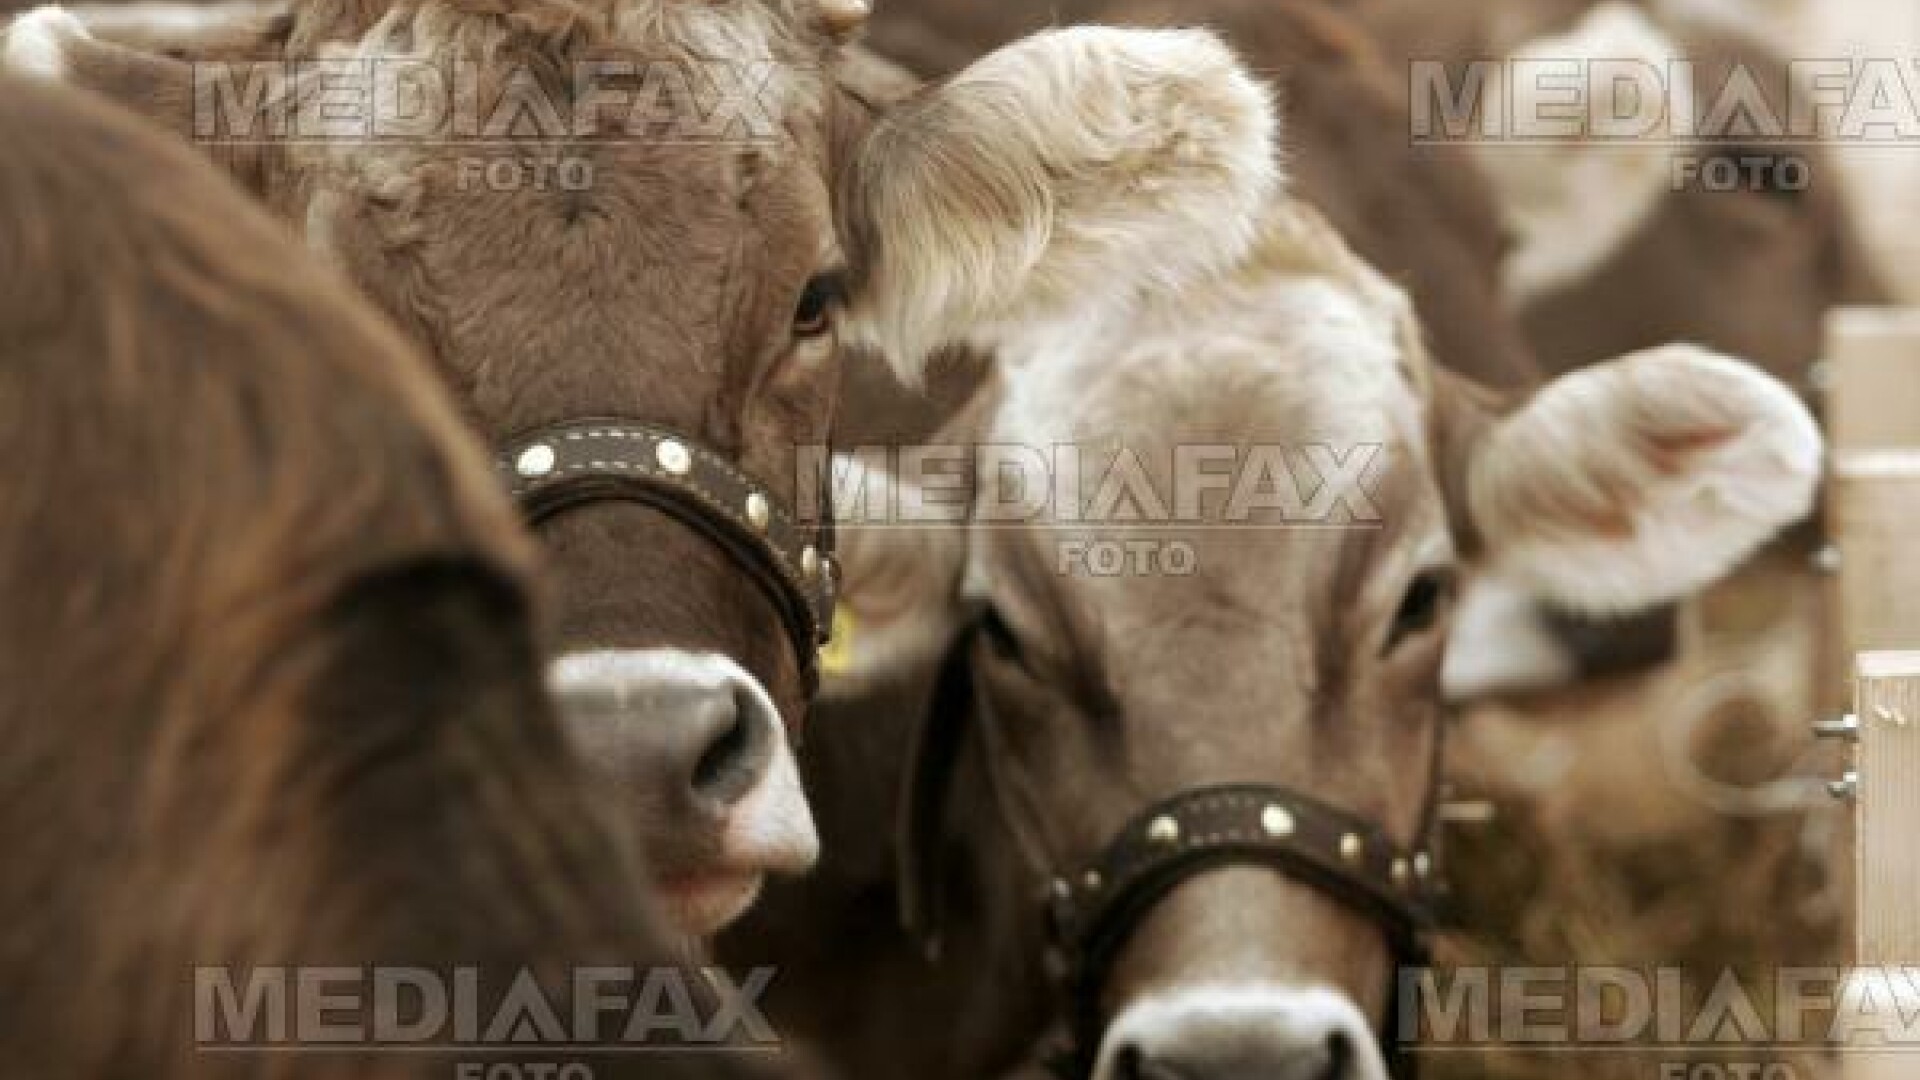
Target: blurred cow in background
(1623,243)
(270,688)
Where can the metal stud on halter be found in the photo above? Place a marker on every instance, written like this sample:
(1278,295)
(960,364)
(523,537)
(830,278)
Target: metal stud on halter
(1277,821)
(535,461)
(1352,848)
(673,457)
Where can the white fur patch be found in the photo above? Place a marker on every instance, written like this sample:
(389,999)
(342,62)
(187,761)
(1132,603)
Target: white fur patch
(36,42)
(170,19)
(1500,645)
(1248,1025)
(1702,457)
(1572,202)
(771,828)
(1075,168)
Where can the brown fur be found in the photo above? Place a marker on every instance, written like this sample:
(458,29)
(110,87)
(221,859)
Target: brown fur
(271,693)
(675,332)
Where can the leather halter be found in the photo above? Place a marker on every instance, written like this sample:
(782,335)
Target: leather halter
(577,462)
(1092,911)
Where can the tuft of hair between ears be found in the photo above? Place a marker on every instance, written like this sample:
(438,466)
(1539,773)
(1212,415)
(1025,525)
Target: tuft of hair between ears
(1074,169)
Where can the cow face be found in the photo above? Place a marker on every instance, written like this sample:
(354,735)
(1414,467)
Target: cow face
(1300,643)
(735,208)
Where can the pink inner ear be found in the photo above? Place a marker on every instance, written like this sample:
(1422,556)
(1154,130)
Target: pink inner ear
(1613,523)
(1669,451)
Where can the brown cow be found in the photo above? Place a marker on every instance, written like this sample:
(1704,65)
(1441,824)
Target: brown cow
(738,203)
(1305,661)
(269,685)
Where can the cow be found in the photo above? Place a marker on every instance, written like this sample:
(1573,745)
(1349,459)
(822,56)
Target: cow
(271,685)
(680,310)
(1177,816)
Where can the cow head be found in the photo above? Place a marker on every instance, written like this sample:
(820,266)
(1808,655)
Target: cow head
(671,211)
(1299,642)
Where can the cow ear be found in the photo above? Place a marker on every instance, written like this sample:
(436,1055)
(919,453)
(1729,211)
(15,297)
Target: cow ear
(903,553)
(142,60)
(1640,480)
(1576,182)
(1074,166)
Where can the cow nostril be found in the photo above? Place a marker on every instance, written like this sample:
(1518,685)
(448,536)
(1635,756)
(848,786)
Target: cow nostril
(1340,1056)
(712,769)
(726,767)
(1132,1063)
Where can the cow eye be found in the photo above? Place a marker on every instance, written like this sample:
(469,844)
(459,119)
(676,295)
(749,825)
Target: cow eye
(813,316)
(1423,606)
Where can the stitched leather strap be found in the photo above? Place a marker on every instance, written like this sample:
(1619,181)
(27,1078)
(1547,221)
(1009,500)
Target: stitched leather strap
(577,462)
(1241,824)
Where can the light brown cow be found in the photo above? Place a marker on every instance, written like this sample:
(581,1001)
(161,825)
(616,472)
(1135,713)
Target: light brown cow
(740,202)
(1294,651)
(269,685)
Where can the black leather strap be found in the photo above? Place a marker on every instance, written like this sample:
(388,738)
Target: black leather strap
(926,788)
(1244,824)
(584,461)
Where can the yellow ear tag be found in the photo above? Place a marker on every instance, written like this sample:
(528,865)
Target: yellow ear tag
(836,658)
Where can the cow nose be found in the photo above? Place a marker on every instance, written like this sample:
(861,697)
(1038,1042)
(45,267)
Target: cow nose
(1239,1034)
(701,730)
(697,738)
(1325,1060)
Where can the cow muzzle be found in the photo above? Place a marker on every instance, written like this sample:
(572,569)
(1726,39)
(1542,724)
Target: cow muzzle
(697,742)
(1239,1031)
